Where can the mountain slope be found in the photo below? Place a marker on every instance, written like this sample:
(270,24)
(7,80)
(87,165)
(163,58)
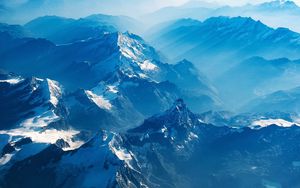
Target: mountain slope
(12,36)
(255,77)
(16,31)
(284,101)
(108,165)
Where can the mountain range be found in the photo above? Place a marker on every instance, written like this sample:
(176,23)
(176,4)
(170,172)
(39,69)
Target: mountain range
(224,41)
(87,102)
(256,77)
(275,13)
(242,57)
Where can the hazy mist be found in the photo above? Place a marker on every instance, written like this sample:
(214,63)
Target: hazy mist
(21,11)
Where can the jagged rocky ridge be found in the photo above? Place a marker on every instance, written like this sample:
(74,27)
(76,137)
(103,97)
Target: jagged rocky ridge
(172,149)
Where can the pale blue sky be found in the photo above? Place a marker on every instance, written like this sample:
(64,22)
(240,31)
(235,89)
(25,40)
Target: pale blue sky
(227,2)
(157,3)
(81,8)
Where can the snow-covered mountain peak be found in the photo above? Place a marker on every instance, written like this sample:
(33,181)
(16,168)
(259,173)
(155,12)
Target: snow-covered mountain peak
(177,124)
(177,129)
(136,50)
(36,100)
(129,54)
(51,90)
(40,91)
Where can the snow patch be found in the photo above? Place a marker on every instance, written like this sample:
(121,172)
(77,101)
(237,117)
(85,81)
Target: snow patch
(41,120)
(109,92)
(143,76)
(99,100)
(192,136)
(201,121)
(12,80)
(278,122)
(5,159)
(164,129)
(55,91)
(180,147)
(122,154)
(129,47)
(49,136)
(148,66)
(113,89)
